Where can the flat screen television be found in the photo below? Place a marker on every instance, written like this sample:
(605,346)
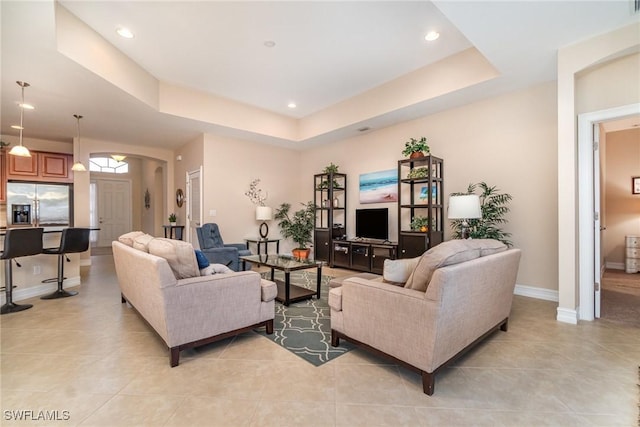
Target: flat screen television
(372,223)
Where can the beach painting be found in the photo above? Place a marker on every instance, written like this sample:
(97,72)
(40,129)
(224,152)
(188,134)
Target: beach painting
(379,187)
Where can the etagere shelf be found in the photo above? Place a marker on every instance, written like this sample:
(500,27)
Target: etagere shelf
(420,195)
(330,199)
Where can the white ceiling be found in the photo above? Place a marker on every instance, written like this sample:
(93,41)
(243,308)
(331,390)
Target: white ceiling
(324,53)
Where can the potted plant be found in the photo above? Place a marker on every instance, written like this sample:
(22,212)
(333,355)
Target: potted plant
(416,148)
(297,227)
(420,223)
(330,169)
(173,219)
(493,206)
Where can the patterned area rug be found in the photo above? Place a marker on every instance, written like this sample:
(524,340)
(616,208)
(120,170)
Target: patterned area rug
(304,328)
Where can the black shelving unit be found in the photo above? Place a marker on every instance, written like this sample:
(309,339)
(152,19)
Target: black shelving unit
(420,194)
(330,198)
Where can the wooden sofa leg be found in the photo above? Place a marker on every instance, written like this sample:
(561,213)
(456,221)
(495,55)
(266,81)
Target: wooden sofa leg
(335,339)
(174,356)
(505,326)
(428,383)
(269,326)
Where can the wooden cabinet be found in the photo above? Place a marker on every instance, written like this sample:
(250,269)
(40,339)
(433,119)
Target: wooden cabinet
(632,254)
(330,199)
(41,166)
(363,256)
(420,197)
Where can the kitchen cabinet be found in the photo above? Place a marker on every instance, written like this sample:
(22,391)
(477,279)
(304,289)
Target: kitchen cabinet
(41,166)
(3,176)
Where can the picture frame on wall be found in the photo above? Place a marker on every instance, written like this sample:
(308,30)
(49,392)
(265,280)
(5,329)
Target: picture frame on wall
(635,185)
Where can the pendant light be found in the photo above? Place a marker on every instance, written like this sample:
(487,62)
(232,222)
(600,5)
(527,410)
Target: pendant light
(118,157)
(20,150)
(77,165)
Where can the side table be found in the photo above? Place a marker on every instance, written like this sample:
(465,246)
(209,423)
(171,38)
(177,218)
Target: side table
(260,241)
(173,231)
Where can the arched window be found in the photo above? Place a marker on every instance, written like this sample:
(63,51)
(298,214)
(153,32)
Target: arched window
(107,165)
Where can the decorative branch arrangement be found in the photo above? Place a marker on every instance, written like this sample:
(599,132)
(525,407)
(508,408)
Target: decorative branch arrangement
(256,195)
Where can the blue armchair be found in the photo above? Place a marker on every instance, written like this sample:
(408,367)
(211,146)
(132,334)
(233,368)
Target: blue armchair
(216,251)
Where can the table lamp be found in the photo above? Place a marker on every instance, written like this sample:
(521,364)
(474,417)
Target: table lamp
(264,213)
(464,207)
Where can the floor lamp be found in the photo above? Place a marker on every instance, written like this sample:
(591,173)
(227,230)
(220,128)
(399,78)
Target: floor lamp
(464,207)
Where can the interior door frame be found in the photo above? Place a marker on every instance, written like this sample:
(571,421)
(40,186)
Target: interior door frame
(586,202)
(189,200)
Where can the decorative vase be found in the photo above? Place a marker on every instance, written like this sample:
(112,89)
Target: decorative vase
(416,154)
(173,223)
(336,203)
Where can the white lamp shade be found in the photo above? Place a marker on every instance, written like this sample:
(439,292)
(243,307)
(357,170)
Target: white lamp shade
(264,213)
(78,167)
(464,207)
(20,151)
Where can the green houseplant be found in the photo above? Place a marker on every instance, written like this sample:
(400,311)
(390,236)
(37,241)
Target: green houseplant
(416,148)
(173,219)
(297,226)
(420,223)
(493,206)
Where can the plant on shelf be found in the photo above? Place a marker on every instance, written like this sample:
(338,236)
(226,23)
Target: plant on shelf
(330,169)
(418,173)
(416,148)
(298,226)
(173,219)
(420,223)
(493,206)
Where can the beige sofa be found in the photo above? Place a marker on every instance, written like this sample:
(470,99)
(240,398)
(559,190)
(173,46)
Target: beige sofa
(185,308)
(457,293)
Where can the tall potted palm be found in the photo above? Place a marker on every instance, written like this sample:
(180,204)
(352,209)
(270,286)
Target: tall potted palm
(297,226)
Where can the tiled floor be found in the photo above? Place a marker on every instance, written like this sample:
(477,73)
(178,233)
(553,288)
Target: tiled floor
(92,359)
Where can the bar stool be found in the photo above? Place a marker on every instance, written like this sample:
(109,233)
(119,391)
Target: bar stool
(18,242)
(73,240)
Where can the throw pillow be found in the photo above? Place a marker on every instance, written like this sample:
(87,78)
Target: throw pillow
(141,243)
(446,253)
(215,269)
(203,262)
(397,271)
(180,256)
(127,238)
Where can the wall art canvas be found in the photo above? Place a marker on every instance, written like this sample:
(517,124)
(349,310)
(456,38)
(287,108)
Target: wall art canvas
(379,187)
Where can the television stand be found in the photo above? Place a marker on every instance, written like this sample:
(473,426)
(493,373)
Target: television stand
(363,254)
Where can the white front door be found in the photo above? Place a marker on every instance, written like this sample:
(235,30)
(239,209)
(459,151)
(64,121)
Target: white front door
(194,205)
(114,210)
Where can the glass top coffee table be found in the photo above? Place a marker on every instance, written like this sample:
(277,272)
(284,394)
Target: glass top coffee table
(288,293)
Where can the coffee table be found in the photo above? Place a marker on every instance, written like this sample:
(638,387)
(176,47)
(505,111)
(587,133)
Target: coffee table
(288,293)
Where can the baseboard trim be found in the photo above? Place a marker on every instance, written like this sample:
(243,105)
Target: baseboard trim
(538,293)
(38,290)
(567,315)
(615,265)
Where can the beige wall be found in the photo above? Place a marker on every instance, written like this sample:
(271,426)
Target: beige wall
(507,141)
(622,207)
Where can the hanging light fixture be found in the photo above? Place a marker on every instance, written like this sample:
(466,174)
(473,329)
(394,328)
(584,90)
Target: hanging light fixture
(118,157)
(21,150)
(77,165)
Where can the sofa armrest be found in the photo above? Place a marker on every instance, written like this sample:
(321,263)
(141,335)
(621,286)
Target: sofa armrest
(238,246)
(269,290)
(224,256)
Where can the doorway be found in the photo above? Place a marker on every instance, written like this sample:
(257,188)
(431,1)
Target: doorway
(589,207)
(194,205)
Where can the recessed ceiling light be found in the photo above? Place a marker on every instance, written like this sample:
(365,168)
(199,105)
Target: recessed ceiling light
(269,43)
(125,32)
(292,105)
(27,106)
(431,36)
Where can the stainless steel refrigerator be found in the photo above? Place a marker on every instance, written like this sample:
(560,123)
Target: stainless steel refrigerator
(32,204)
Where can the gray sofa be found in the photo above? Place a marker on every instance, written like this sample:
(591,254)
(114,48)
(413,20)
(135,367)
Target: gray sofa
(456,294)
(185,308)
